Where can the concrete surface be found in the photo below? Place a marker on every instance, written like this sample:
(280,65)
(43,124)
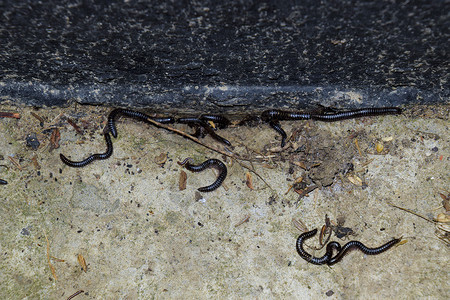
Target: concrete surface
(224,55)
(143,238)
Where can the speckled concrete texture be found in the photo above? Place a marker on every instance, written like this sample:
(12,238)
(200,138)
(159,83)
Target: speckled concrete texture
(222,56)
(143,238)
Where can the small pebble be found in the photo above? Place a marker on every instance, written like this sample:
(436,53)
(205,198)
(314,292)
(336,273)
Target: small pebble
(32,141)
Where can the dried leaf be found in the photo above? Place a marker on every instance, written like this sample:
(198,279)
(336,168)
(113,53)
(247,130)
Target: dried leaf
(379,147)
(300,164)
(161,159)
(443,218)
(248,180)
(182,181)
(9,115)
(35,163)
(445,201)
(54,139)
(82,262)
(355,180)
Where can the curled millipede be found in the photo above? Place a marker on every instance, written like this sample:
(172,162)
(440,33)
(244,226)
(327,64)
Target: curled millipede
(97,156)
(364,249)
(312,259)
(219,165)
(328,258)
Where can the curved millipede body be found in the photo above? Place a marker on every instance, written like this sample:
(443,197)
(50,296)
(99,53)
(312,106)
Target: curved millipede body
(273,116)
(97,156)
(3,181)
(358,113)
(221,121)
(219,165)
(312,259)
(132,114)
(277,127)
(360,246)
(204,125)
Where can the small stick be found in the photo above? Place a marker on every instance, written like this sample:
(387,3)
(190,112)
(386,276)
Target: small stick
(245,219)
(75,126)
(9,115)
(76,294)
(357,146)
(411,212)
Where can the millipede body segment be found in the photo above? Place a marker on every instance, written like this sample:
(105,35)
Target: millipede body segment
(219,165)
(97,156)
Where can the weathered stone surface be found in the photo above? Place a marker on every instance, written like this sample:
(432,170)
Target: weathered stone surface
(224,56)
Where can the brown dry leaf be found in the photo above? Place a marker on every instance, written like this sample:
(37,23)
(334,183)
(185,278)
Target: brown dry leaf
(445,201)
(82,262)
(9,115)
(161,159)
(379,147)
(248,180)
(300,164)
(54,139)
(35,163)
(182,181)
(443,218)
(355,180)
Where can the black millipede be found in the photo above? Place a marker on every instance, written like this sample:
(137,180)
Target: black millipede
(206,126)
(281,115)
(277,127)
(96,156)
(312,259)
(357,113)
(221,121)
(132,114)
(3,181)
(219,165)
(360,246)
(273,116)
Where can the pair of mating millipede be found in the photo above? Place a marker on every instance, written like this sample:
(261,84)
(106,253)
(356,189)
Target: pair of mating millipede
(274,116)
(219,165)
(328,258)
